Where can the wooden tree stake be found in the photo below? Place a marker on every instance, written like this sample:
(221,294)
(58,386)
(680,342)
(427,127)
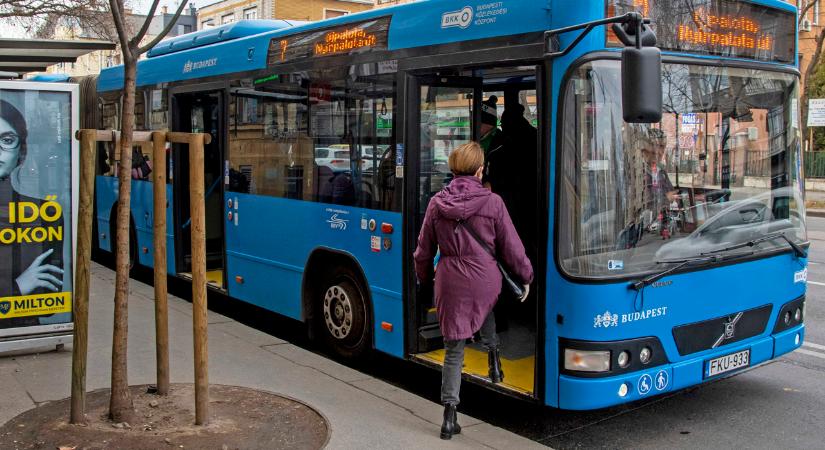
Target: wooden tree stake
(159,238)
(199,320)
(81,283)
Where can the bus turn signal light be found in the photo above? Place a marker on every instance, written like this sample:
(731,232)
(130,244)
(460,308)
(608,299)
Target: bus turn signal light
(386,326)
(386,228)
(239,279)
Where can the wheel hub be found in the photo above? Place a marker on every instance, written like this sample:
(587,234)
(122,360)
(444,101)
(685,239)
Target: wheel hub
(338,312)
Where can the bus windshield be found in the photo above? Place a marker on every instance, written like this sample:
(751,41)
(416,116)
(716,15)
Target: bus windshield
(723,167)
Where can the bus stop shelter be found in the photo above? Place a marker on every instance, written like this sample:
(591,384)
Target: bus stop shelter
(21,56)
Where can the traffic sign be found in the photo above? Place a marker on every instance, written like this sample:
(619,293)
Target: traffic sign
(816,112)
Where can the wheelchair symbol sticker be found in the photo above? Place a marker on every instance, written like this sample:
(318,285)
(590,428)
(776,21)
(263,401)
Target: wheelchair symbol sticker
(645,384)
(661,380)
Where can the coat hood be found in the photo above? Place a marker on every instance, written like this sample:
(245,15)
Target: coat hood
(462,198)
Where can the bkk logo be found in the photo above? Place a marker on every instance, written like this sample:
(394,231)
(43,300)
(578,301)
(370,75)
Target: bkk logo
(461,19)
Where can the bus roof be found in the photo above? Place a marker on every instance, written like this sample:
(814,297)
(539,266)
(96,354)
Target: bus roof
(243,46)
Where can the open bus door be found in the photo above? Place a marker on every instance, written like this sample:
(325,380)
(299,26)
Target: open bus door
(443,113)
(200,112)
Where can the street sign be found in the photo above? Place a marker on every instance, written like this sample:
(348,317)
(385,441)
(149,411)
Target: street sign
(816,112)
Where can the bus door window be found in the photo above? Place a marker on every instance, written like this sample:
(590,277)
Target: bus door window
(447,121)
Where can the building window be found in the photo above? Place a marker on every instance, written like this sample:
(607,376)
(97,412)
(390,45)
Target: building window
(330,13)
(229,18)
(816,13)
(250,14)
(208,23)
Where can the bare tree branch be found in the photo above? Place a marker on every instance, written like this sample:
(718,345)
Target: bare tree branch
(805,9)
(165,31)
(120,25)
(135,41)
(41,16)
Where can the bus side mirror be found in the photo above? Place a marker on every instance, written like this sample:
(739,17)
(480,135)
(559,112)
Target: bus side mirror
(642,85)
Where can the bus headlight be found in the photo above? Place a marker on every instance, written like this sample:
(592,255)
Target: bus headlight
(623,359)
(587,360)
(645,354)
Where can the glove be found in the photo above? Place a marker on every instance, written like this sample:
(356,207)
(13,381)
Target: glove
(526,293)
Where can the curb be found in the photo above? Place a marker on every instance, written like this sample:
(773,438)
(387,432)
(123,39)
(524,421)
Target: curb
(815,213)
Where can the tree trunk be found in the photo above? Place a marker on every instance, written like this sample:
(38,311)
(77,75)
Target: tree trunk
(120,403)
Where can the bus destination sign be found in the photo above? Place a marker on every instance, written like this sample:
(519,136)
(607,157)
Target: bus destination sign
(717,27)
(343,40)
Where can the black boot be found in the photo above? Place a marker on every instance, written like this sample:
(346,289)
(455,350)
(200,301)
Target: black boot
(450,425)
(494,362)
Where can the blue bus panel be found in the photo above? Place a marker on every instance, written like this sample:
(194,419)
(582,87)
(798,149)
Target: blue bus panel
(106,189)
(265,248)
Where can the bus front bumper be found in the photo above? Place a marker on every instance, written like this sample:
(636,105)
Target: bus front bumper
(594,393)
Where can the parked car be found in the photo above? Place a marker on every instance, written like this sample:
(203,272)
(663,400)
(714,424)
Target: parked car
(335,159)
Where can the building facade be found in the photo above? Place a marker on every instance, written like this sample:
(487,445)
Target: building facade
(810,26)
(386,3)
(228,11)
(92,63)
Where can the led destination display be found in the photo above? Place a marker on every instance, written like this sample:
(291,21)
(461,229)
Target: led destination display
(351,38)
(718,27)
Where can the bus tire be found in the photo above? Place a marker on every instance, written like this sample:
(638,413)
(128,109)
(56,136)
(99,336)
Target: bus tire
(342,316)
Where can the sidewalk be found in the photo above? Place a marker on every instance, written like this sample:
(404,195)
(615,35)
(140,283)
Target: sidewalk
(815,202)
(363,412)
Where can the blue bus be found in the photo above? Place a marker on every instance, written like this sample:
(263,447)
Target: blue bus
(669,254)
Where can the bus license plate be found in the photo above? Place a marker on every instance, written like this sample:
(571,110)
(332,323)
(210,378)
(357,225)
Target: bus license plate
(727,363)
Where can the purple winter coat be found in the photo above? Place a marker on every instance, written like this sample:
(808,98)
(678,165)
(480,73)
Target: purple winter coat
(467,281)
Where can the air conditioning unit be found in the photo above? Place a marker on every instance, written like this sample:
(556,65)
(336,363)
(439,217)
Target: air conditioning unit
(805,25)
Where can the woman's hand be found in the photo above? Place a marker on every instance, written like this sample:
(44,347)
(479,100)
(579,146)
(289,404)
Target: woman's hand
(526,293)
(40,275)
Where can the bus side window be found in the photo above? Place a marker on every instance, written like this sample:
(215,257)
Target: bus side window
(353,134)
(269,151)
(325,137)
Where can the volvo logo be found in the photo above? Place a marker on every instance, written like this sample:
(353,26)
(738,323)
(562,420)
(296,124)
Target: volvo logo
(730,330)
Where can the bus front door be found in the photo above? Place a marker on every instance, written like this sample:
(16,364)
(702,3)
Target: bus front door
(442,114)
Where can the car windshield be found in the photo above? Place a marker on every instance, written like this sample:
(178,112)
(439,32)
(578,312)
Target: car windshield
(720,169)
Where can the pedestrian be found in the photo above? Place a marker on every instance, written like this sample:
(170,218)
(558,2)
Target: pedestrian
(467,279)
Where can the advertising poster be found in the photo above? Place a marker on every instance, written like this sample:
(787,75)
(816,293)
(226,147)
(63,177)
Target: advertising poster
(38,157)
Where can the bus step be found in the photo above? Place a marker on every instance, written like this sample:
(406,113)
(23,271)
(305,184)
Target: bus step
(429,338)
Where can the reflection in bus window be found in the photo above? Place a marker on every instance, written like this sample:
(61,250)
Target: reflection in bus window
(721,168)
(319,136)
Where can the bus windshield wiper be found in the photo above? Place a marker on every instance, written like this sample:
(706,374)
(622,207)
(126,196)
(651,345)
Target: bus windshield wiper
(680,263)
(650,279)
(798,251)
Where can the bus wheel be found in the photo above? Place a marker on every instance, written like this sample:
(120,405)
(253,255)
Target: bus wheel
(343,317)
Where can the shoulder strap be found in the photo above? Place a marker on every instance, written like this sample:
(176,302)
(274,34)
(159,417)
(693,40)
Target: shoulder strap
(463,223)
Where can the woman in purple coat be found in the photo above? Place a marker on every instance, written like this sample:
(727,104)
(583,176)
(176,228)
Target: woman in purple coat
(467,280)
